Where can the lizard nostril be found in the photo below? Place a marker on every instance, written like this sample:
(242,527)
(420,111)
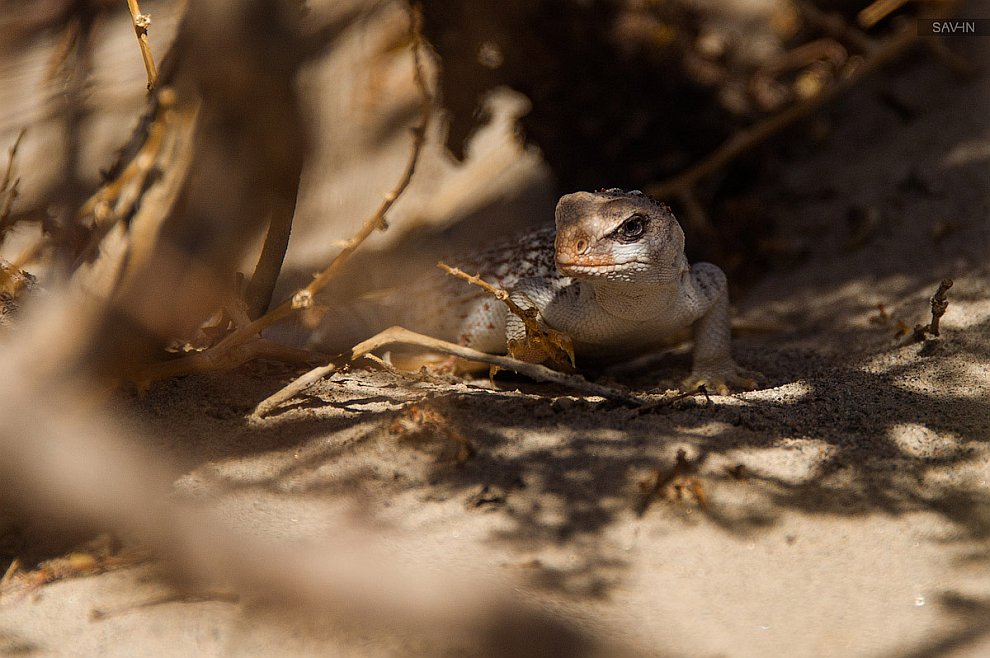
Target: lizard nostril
(581,246)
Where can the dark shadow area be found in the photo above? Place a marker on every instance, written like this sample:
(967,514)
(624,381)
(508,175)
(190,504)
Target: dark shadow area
(969,615)
(852,412)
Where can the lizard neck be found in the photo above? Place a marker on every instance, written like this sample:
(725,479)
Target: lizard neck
(645,298)
(635,301)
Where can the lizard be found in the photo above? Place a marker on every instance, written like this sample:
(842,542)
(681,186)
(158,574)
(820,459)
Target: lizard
(611,274)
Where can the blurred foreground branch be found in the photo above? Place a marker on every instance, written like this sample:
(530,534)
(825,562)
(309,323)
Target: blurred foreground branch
(202,178)
(8,188)
(166,232)
(80,470)
(224,351)
(141,24)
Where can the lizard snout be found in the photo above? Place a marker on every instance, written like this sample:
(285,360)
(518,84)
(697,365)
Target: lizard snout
(572,246)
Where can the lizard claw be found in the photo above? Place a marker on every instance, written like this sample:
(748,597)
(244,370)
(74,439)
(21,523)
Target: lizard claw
(719,381)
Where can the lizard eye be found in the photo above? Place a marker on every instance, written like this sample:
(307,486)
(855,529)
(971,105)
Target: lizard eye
(632,229)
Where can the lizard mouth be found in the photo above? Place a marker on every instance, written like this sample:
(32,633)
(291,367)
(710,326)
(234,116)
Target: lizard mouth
(587,267)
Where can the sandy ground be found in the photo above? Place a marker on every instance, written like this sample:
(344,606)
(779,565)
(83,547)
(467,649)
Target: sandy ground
(841,509)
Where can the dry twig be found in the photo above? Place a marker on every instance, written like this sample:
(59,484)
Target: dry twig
(8,189)
(76,62)
(228,351)
(682,185)
(403,336)
(421,420)
(555,345)
(668,400)
(939,303)
(96,556)
(141,24)
(8,576)
(294,388)
(679,480)
(877,11)
(148,184)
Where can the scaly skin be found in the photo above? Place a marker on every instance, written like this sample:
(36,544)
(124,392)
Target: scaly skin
(613,277)
(622,285)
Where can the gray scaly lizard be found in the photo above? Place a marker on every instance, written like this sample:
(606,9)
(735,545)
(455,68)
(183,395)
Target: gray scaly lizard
(613,277)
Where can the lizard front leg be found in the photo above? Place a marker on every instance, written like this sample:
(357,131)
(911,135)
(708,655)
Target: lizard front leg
(532,339)
(713,364)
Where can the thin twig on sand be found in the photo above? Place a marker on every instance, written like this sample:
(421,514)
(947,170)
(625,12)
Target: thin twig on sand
(294,388)
(400,335)
(680,479)
(939,303)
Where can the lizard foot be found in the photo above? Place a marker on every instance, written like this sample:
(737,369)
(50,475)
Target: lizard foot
(719,380)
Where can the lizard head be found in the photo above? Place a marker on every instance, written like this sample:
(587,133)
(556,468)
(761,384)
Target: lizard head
(618,236)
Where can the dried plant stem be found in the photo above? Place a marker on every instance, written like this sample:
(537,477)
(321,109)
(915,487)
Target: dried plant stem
(8,189)
(837,27)
(403,336)
(682,185)
(557,346)
(141,23)
(877,11)
(258,294)
(228,351)
(295,387)
(213,359)
(668,400)
(8,576)
(77,64)
(939,305)
(499,293)
(11,155)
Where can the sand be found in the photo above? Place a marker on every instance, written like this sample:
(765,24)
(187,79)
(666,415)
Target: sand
(843,508)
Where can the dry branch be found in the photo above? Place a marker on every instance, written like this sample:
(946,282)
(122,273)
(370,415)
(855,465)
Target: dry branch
(877,11)
(11,155)
(294,388)
(141,24)
(303,299)
(183,242)
(403,336)
(81,470)
(219,360)
(939,303)
(8,189)
(682,185)
(557,346)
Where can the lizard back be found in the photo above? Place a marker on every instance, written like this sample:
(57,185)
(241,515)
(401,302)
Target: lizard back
(444,306)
